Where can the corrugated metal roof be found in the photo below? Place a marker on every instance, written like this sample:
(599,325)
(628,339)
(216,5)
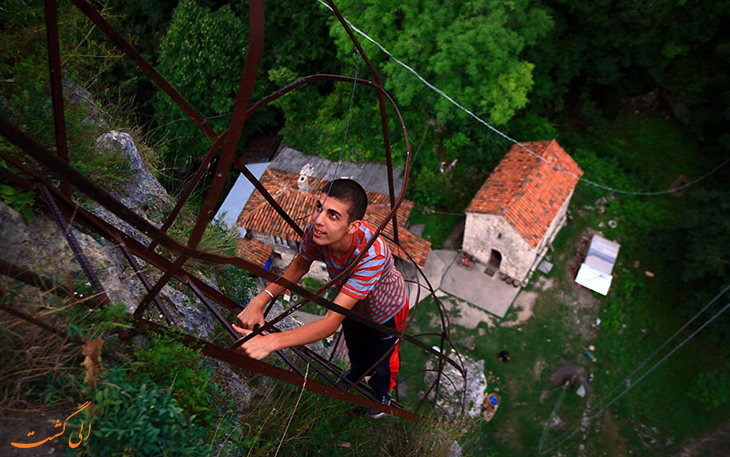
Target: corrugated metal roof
(604,249)
(371,176)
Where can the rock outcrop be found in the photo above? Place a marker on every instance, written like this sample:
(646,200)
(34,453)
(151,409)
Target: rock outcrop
(458,396)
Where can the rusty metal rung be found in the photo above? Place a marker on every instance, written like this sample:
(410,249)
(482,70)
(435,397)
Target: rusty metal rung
(226,143)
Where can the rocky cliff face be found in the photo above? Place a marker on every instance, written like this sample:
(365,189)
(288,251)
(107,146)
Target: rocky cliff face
(39,245)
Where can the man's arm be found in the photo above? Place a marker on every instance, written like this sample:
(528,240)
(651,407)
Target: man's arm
(254,312)
(261,346)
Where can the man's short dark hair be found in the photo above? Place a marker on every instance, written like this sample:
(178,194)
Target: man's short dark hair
(351,193)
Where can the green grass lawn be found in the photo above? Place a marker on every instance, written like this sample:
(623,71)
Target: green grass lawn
(437,227)
(660,412)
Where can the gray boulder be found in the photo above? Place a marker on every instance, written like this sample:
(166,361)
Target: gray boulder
(142,193)
(455,391)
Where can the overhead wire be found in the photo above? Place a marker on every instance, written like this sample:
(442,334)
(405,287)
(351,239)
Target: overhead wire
(512,140)
(590,414)
(571,432)
(663,345)
(630,385)
(545,430)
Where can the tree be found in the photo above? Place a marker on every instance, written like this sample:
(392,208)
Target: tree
(471,50)
(707,228)
(605,50)
(201,55)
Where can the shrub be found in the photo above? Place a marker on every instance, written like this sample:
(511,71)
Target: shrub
(21,202)
(133,417)
(182,370)
(713,389)
(201,55)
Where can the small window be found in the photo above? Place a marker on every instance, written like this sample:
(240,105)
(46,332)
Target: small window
(499,236)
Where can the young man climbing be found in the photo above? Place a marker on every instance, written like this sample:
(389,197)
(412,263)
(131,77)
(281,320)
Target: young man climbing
(374,289)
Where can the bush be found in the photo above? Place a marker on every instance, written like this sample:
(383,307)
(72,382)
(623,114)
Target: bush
(189,378)
(21,202)
(236,284)
(133,417)
(713,389)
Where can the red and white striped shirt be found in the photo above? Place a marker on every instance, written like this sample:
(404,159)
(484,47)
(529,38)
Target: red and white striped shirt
(374,280)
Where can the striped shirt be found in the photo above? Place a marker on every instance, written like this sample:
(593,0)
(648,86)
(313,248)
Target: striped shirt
(375,282)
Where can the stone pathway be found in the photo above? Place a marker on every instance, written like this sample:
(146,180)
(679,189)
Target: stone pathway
(476,287)
(472,285)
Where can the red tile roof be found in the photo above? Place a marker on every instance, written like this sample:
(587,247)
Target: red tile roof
(254,251)
(258,216)
(527,191)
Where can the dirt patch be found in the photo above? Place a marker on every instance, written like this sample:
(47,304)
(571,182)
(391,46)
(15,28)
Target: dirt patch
(16,429)
(581,250)
(714,444)
(538,367)
(544,283)
(612,430)
(585,305)
(569,373)
(525,303)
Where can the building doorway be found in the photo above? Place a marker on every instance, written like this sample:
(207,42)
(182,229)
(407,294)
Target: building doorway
(495,260)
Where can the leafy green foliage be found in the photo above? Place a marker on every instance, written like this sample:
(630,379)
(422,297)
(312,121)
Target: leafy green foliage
(98,322)
(469,50)
(707,227)
(189,381)
(26,90)
(201,55)
(472,51)
(324,426)
(424,189)
(713,389)
(21,202)
(133,416)
(437,227)
(236,283)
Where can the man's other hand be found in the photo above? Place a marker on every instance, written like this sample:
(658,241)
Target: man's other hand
(257,347)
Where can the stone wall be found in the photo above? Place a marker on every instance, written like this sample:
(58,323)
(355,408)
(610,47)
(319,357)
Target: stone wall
(484,232)
(552,232)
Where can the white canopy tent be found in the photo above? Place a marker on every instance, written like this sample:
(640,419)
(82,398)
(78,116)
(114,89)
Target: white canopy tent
(595,273)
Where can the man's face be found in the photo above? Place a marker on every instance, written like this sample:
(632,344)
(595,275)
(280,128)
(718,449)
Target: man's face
(331,221)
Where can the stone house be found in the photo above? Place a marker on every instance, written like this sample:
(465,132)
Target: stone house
(520,208)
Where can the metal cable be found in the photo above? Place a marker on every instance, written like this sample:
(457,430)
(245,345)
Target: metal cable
(512,140)
(573,430)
